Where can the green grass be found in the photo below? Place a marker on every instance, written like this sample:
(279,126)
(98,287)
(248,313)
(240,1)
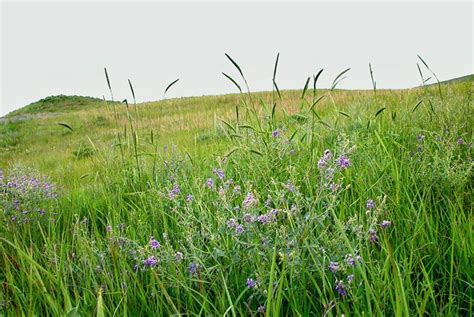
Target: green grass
(118,166)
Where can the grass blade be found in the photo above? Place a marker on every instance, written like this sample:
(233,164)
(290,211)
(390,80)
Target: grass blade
(305,87)
(379,112)
(108,83)
(233,81)
(339,78)
(133,92)
(169,86)
(64,124)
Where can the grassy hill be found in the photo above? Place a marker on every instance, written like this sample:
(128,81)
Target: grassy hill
(305,203)
(60,103)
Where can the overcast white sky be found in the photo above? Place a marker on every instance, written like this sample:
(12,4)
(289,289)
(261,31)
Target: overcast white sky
(50,48)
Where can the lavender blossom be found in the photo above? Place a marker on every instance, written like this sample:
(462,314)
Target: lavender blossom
(373,238)
(231,223)
(333,267)
(239,229)
(248,218)
(210,183)
(193,268)
(249,200)
(251,283)
(150,261)
(340,288)
(189,198)
(343,162)
(175,191)
(154,244)
(385,224)
(370,204)
(220,173)
(263,219)
(350,278)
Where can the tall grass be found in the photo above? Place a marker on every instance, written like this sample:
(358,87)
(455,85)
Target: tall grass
(313,203)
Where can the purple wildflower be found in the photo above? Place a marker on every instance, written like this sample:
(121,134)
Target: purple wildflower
(322,164)
(189,198)
(263,219)
(373,238)
(350,260)
(231,223)
(41,212)
(220,173)
(275,133)
(343,162)
(239,229)
(174,192)
(370,204)
(193,268)
(150,261)
(333,267)
(249,200)
(340,288)
(385,224)
(460,141)
(249,218)
(154,244)
(236,189)
(350,278)
(108,228)
(210,183)
(251,283)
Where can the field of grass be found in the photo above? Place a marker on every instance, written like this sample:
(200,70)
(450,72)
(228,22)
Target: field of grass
(284,203)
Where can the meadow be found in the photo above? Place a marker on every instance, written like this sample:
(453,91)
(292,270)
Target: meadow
(306,202)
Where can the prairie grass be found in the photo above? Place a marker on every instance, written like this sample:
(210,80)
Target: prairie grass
(251,204)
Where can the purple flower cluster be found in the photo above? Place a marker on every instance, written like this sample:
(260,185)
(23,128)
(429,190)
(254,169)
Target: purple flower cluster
(385,224)
(340,288)
(175,191)
(210,183)
(233,224)
(249,201)
(219,173)
(276,133)
(150,262)
(193,267)
(333,267)
(251,283)
(22,195)
(154,244)
(343,162)
(268,217)
(352,261)
(373,238)
(324,160)
(370,204)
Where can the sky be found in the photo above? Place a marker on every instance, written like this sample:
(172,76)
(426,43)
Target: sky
(51,48)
